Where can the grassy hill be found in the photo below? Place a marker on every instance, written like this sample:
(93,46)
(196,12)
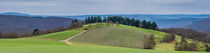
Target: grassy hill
(113,36)
(123,36)
(120,35)
(158,35)
(50,43)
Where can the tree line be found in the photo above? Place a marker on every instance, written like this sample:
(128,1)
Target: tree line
(123,20)
(185,45)
(188,33)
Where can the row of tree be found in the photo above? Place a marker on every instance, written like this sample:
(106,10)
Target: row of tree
(35,32)
(184,45)
(188,33)
(74,24)
(124,21)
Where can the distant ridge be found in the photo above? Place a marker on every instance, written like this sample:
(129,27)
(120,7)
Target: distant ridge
(163,20)
(15,13)
(29,15)
(22,24)
(202,26)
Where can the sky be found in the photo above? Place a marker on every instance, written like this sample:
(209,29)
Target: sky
(86,7)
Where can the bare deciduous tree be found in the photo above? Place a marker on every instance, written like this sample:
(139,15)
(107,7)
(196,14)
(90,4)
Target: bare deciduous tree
(149,42)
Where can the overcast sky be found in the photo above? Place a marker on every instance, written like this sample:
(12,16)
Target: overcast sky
(84,7)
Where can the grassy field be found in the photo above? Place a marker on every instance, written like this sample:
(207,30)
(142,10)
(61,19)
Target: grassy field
(113,36)
(158,35)
(50,43)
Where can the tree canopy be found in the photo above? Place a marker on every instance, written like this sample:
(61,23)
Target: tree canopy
(124,21)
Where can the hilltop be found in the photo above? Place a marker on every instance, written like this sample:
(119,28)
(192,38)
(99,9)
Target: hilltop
(113,36)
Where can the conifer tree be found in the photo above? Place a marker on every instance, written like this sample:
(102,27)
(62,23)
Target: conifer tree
(124,21)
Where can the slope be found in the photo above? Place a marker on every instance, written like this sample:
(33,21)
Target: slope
(113,36)
(119,35)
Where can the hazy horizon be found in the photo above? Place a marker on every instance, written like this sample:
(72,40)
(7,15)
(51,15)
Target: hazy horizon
(99,7)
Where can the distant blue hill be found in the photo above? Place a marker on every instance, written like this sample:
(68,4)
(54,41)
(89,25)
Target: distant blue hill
(29,15)
(163,21)
(202,26)
(15,13)
(22,24)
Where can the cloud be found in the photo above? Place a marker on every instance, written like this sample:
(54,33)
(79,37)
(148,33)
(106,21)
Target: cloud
(75,7)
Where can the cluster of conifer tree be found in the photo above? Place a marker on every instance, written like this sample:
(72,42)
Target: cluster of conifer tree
(124,21)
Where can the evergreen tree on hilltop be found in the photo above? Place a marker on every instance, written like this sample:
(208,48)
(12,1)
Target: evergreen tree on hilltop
(144,23)
(154,26)
(123,20)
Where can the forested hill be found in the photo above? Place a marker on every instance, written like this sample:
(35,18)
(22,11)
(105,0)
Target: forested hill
(123,20)
(12,23)
(163,21)
(203,26)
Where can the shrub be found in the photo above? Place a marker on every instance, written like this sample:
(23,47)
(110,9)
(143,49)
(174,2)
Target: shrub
(193,47)
(36,32)
(11,35)
(169,37)
(75,24)
(15,35)
(56,29)
(149,42)
(207,48)
(185,46)
(26,34)
(0,35)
